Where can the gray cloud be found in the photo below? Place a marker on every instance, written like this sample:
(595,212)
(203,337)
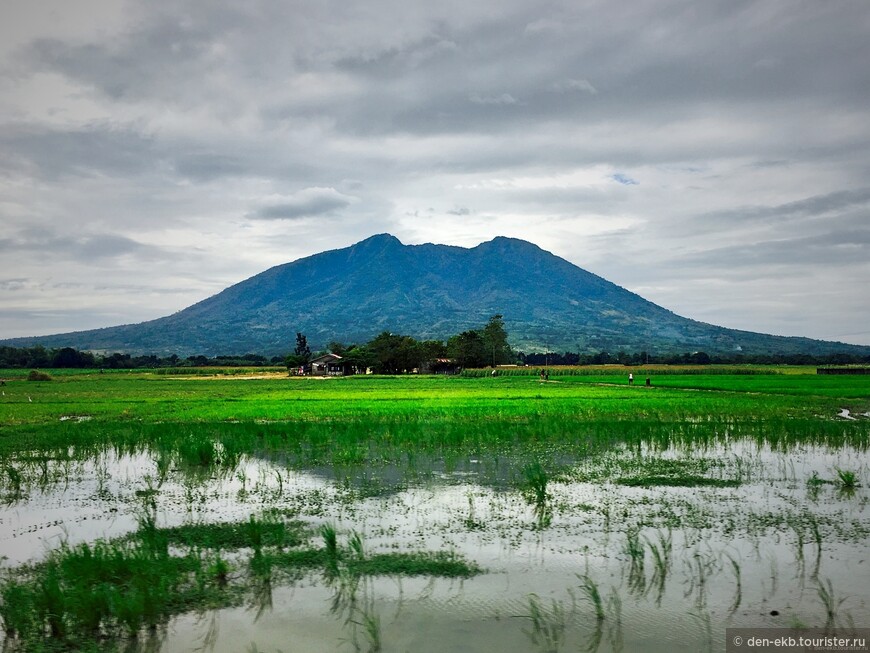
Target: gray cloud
(89,150)
(815,206)
(94,247)
(225,130)
(306,203)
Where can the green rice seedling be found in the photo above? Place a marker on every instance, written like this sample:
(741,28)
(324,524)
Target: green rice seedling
(800,540)
(661,555)
(590,592)
(547,625)
(535,484)
(536,479)
(355,544)
(847,480)
(830,602)
(614,623)
(219,570)
(636,553)
(702,616)
(255,535)
(197,451)
(817,537)
(593,641)
(162,464)
(51,601)
(345,585)
(261,594)
(17,609)
(738,590)
(266,532)
(330,542)
(444,564)
(154,539)
(370,622)
(701,567)
(14,485)
(279,492)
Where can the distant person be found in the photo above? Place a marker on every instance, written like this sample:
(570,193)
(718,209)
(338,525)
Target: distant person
(647,382)
(630,378)
(546,375)
(542,374)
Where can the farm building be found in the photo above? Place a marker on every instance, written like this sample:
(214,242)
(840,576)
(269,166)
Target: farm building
(330,365)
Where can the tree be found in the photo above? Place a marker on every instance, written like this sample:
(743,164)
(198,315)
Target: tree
(498,350)
(337,348)
(69,357)
(302,348)
(359,357)
(301,354)
(394,354)
(468,348)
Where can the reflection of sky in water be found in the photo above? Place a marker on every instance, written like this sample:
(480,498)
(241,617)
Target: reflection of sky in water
(749,524)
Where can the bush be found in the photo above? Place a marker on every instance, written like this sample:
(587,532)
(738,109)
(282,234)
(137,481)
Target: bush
(36,375)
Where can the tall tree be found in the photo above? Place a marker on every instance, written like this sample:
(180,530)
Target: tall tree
(468,348)
(301,354)
(302,349)
(495,342)
(394,354)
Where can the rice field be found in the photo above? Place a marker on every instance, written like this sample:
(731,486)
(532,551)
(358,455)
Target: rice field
(243,510)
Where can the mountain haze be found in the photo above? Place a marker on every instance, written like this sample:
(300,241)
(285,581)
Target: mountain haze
(428,291)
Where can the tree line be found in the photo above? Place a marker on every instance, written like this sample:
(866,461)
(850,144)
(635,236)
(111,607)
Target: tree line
(686,358)
(387,353)
(390,353)
(67,357)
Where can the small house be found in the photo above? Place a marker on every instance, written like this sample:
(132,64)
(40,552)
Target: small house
(330,365)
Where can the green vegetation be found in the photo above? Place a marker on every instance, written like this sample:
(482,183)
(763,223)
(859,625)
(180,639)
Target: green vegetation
(650,481)
(846,479)
(126,588)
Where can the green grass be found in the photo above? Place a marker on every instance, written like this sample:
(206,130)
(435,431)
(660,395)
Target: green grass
(152,398)
(124,588)
(237,535)
(376,435)
(204,427)
(846,479)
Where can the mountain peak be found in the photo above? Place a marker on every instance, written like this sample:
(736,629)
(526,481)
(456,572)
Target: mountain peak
(380,239)
(429,292)
(507,240)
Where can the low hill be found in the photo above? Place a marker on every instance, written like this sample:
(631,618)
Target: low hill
(429,291)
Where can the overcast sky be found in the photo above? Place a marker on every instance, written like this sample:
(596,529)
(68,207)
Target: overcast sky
(713,156)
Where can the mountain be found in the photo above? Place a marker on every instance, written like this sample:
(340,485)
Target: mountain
(429,291)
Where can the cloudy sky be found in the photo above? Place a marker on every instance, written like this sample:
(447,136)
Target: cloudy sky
(713,157)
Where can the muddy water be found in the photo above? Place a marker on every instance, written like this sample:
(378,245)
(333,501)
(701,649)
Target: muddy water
(752,555)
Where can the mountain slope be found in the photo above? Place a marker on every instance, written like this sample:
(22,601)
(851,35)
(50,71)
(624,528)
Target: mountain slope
(428,291)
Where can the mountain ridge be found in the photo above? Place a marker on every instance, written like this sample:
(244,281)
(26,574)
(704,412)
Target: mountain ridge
(429,291)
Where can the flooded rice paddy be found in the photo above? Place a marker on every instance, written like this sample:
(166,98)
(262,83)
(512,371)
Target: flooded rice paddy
(611,554)
(656,541)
